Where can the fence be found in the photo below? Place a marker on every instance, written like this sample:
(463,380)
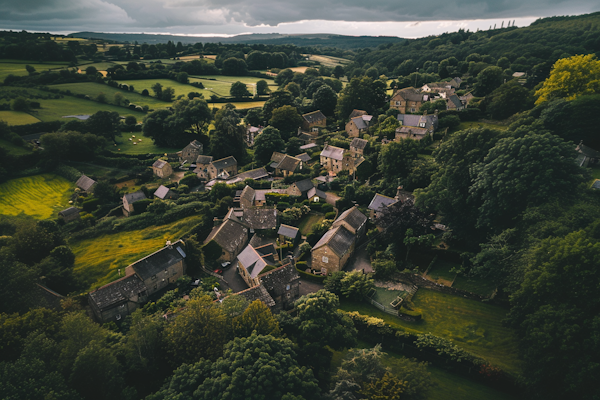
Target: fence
(388,310)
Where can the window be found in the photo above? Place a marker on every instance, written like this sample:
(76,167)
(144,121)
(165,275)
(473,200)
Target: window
(412,110)
(325,259)
(122,306)
(287,287)
(422,124)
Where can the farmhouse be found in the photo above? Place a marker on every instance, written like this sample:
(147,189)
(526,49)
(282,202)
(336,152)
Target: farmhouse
(283,284)
(288,233)
(357,113)
(232,235)
(247,197)
(252,261)
(285,165)
(416,127)
(300,188)
(223,168)
(331,158)
(378,204)
(316,195)
(129,199)
(357,147)
(408,100)
(162,169)
(353,220)
(164,193)
(454,103)
(313,121)
(358,125)
(86,184)
(202,163)
(258,293)
(190,153)
(70,214)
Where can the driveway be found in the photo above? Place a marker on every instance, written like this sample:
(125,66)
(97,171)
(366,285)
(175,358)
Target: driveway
(234,280)
(307,287)
(360,261)
(332,198)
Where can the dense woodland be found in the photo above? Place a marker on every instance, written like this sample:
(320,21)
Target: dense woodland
(518,207)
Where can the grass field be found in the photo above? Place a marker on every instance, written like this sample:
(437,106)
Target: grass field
(146,146)
(329,60)
(180,88)
(440,272)
(17,118)
(93,89)
(98,260)
(17,67)
(13,149)
(55,109)
(239,105)
(39,196)
(472,325)
(308,222)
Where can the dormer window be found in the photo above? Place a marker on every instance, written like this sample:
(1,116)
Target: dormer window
(422,124)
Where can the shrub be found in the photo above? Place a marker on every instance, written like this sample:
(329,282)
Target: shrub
(330,215)
(90,204)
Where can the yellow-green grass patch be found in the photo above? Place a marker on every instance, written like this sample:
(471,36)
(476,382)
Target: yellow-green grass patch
(146,146)
(98,260)
(329,60)
(240,105)
(39,196)
(13,148)
(17,118)
(93,89)
(307,223)
(473,325)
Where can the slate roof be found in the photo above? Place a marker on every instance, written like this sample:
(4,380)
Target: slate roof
(230,233)
(260,218)
(306,137)
(164,192)
(314,191)
(204,159)
(303,157)
(224,162)
(412,130)
(415,120)
(195,144)
(117,291)
(159,164)
(135,196)
(69,211)
(304,185)
(85,183)
(288,231)
(314,117)
(260,194)
(276,157)
(254,261)
(337,153)
(248,194)
(256,174)
(353,217)
(360,123)
(277,279)
(456,101)
(409,94)
(357,113)
(288,163)
(309,146)
(380,201)
(257,293)
(159,261)
(339,239)
(587,151)
(360,144)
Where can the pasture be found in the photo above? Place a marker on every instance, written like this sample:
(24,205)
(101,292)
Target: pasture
(239,105)
(13,148)
(146,146)
(179,88)
(38,196)
(328,61)
(472,325)
(98,260)
(55,109)
(17,67)
(17,118)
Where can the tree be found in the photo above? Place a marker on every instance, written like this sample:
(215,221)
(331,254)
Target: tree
(294,89)
(293,146)
(193,115)
(266,143)
(384,268)
(167,94)
(325,99)
(118,98)
(17,287)
(183,77)
(508,99)
(262,87)
(104,123)
(286,119)
(228,137)
(338,71)
(396,158)
(91,71)
(235,66)
(284,77)
(356,285)
(278,99)
(157,89)
(388,127)
(488,80)
(239,90)
(362,94)
(571,77)
(256,318)
(20,104)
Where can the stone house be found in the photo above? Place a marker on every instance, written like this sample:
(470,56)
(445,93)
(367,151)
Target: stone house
(258,293)
(408,100)
(316,195)
(247,197)
(162,169)
(357,147)
(202,163)
(331,158)
(190,153)
(232,235)
(353,220)
(587,155)
(288,233)
(411,132)
(164,193)
(312,122)
(223,168)
(253,261)
(416,127)
(86,184)
(358,125)
(70,214)
(357,113)
(283,284)
(466,99)
(260,218)
(131,198)
(304,157)
(285,165)
(378,204)
(332,251)
(300,188)
(453,103)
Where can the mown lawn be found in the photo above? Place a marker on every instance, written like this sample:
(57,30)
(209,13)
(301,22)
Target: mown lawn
(39,196)
(98,260)
(307,223)
(146,146)
(17,67)
(17,118)
(13,149)
(472,325)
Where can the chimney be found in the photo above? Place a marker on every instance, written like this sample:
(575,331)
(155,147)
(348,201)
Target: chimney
(397,197)
(169,245)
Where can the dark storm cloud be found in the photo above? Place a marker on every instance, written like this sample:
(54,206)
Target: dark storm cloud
(160,14)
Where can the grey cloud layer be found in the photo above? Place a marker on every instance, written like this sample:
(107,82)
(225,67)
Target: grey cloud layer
(157,14)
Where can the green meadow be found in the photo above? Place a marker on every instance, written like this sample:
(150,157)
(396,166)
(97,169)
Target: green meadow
(17,118)
(38,196)
(99,260)
(146,146)
(93,89)
(55,109)
(17,67)
(473,325)
(13,149)
(179,88)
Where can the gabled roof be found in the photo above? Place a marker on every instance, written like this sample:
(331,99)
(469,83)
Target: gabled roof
(415,120)
(587,151)
(159,164)
(276,157)
(85,183)
(304,185)
(380,201)
(314,117)
(337,153)
(204,159)
(256,174)
(135,196)
(164,192)
(288,231)
(254,261)
(260,218)
(224,162)
(195,144)
(260,194)
(69,211)
(410,94)
(159,261)
(117,291)
(360,123)
(456,101)
(318,192)
(257,293)
(412,130)
(277,280)
(230,233)
(309,146)
(352,217)
(303,157)
(339,239)
(359,143)
(357,113)
(288,163)
(247,194)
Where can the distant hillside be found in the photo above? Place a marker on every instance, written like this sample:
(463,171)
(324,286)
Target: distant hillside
(324,39)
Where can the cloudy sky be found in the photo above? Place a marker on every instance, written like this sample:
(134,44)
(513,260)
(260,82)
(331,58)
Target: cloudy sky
(228,17)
